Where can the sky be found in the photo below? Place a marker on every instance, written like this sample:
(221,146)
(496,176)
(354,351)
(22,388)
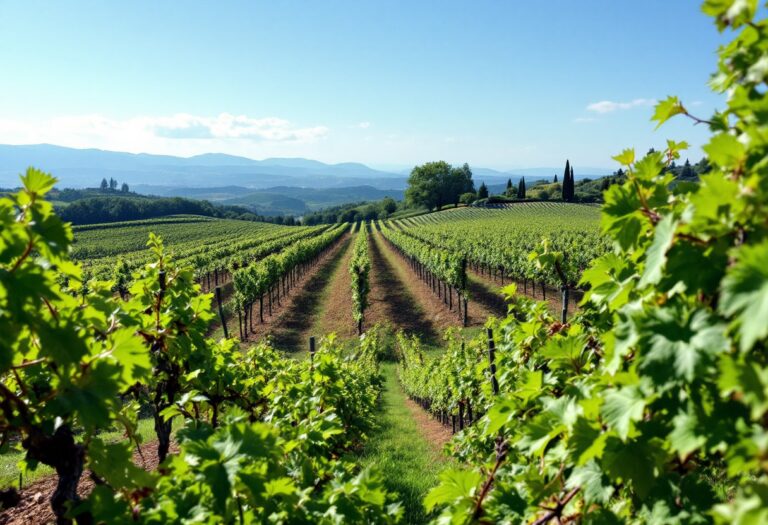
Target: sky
(497,84)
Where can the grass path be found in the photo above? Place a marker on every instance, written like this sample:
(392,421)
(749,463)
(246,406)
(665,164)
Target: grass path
(401,452)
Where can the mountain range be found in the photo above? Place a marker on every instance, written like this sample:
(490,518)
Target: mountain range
(78,168)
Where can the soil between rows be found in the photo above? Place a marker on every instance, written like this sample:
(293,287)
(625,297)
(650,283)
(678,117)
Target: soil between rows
(35,507)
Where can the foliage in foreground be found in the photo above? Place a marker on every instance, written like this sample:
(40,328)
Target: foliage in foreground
(264,438)
(629,412)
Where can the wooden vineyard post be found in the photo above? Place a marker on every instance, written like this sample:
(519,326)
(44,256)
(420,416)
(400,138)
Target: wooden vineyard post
(564,314)
(463,297)
(492,362)
(453,423)
(221,312)
(312,352)
(461,415)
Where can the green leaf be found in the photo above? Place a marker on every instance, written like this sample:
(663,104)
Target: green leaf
(593,483)
(621,215)
(749,379)
(724,150)
(745,294)
(500,413)
(130,353)
(656,256)
(586,441)
(686,436)
(36,181)
(622,408)
(626,157)
(636,461)
(666,109)
(454,485)
(680,343)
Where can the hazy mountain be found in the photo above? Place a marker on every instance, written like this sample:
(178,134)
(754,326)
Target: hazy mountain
(78,168)
(278,199)
(86,167)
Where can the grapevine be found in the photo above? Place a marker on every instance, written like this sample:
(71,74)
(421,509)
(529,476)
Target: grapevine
(359,266)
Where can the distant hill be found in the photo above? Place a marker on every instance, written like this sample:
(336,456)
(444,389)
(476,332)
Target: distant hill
(277,200)
(80,168)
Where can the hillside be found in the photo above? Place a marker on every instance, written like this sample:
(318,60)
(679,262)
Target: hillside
(82,167)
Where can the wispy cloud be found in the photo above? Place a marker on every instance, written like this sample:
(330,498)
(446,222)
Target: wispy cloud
(363,125)
(153,133)
(583,120)
(609,106)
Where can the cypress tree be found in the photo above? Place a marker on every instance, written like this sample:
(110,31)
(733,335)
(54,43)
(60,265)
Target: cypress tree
(555,181)
(482,192)
(571,187)
(521,188)
(566,175)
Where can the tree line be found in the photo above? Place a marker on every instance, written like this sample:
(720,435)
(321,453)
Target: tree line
(92,210)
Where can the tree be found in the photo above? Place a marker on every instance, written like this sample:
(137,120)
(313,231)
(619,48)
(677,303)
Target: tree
(112,184)
(566,178)
(555,181)
(509,185)
(521,188)
(482,193)
(687,171)
(467,198)
(702,166)
(388,205)
(459,182)
(435,184)
(571,187)
(124,187)
(104,185)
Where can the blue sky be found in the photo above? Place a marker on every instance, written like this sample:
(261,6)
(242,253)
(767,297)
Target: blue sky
(498,84)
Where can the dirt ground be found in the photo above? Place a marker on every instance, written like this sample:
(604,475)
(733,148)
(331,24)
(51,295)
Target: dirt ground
(436,434)
(480,306)
(290,324)
(335,312)
(35,507)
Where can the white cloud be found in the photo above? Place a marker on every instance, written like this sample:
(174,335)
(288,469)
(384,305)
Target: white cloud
(608,106)
(176,133)
(363,125)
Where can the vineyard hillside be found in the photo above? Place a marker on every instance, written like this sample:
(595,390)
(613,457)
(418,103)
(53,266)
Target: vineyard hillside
(456,358)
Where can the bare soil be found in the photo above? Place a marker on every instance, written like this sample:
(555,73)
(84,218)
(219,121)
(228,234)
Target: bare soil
(336,302)
(392,300)
(436,434)
(35,507)
(480,308)
(290,324)
(553,297)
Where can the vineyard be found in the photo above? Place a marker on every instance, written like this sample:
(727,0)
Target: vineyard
(405,371)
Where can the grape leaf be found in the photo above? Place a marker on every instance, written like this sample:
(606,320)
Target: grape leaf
(666,109)
(745,294)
